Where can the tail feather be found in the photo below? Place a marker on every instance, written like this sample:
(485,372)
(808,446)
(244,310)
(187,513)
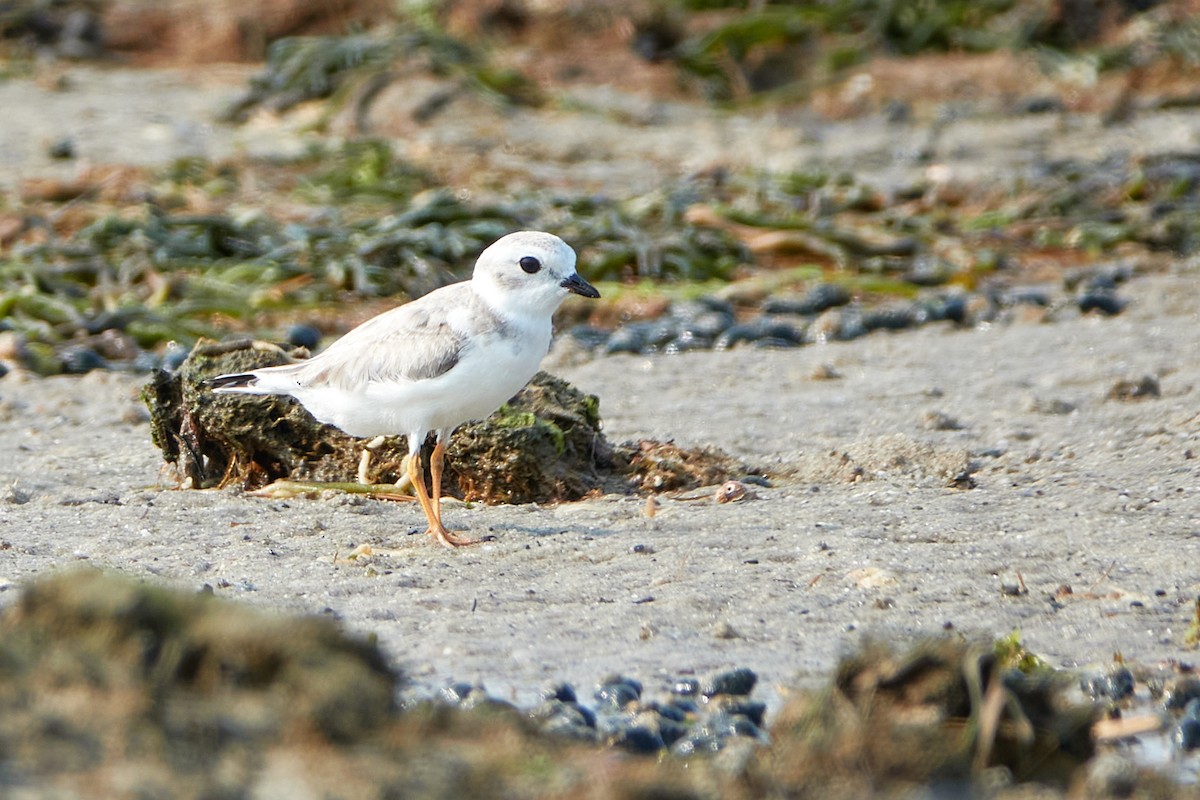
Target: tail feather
(234,382)
(268,380)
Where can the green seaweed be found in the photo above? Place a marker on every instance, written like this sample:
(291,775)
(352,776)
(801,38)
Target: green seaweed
(304,68)
(156,275)
(1011,653)
(770,46)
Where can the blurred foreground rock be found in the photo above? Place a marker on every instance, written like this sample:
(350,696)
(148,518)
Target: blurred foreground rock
(544,446)
(940,713)
(114,688)
(111,683)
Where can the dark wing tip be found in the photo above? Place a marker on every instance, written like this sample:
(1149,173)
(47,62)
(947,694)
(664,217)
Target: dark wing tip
(235,381)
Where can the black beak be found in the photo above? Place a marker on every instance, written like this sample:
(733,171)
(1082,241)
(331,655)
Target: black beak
(579,286)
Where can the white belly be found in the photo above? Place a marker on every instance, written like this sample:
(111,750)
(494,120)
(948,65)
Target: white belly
(477,385)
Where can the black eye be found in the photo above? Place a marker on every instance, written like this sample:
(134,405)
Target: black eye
(530,264)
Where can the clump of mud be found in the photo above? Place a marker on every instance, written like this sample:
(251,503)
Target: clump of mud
(665,466)
(546,445)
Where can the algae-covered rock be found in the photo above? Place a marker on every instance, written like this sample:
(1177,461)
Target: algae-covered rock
(98,671)
(222,440)
(938,713)
(545,445)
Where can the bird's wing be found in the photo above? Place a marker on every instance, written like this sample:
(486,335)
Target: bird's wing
(411,343)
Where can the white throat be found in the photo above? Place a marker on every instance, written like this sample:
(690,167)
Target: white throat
(531,304)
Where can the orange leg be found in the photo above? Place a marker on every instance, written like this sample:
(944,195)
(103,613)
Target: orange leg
(431,507)
(435,471)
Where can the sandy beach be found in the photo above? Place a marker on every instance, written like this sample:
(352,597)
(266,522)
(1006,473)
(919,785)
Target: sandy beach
(1081,531)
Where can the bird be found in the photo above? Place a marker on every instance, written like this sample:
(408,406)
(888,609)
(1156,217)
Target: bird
(451,356)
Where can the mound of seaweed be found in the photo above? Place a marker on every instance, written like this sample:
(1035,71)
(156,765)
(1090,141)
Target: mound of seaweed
(111,687)
(939,713)
(97,670)
(546,445)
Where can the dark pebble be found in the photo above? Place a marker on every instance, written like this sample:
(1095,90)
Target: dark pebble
(563,692)
(760,328)
(1146,387)
(570,719)
(672,712)
(561,726)
(1025,297)
(1106,279)
(897,111)
(1038,105)
(1187,734)
(710,324)
(711,303)
(589,336)
(108,320)
(686,704)
(589,716)
(1180,693)
(618,692)
(63,148)
(928,272)
(455,693)
(774,343)
(701,740)
(303,336)
(653,44)
(78,360)
(671,731)
(1192,709)
(724,724)
(892,318)
(1104,302)
(736,682)
(632,683)
(638,739)
(662,331)
(740,706)
(686,342)
(819,298)
(850,327)
(952,308)
(629,338)
(736,334)
(1119,683)
(3,369)
(174,357)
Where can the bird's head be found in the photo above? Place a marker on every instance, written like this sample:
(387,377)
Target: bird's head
(529,272)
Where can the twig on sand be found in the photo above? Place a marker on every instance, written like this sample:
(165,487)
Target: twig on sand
(283,489)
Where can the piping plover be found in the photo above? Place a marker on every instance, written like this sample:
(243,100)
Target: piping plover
(454,355)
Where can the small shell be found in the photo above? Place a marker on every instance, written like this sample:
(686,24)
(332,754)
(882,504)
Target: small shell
(732,491)
(652,506)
